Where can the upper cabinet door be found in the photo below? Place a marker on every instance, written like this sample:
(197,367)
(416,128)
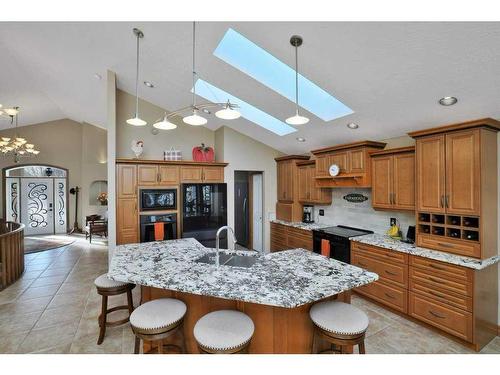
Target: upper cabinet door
(147,174)
(322,165)
(431,191)
(169,174)
(340,158)
(191,174)
(356,161)
(289,182)
(404,181)
(463,172)
(382,171)
(304,183)
(126,176)
(213,174)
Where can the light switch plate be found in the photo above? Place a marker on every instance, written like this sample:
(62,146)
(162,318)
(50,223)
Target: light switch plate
(392,221)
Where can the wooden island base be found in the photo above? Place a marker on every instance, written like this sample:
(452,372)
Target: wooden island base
(277,330)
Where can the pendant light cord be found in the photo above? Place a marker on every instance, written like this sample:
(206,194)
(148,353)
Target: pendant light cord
(296,79)
(137,80)
(194,71)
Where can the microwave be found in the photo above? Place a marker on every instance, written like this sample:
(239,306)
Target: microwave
(158,199)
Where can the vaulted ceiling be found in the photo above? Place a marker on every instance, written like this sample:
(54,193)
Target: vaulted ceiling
(390,74)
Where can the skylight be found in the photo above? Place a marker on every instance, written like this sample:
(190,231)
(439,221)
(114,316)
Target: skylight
(259,64)
(248,111)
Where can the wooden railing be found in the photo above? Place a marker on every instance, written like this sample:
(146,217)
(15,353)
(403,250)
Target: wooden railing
(11,252)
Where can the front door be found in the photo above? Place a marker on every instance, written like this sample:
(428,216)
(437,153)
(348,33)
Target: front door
(37,204)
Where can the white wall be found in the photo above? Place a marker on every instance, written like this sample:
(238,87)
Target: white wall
(111,155)
(246,154)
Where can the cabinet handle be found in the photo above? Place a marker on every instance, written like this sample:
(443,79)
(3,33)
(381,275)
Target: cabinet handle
(393,198)
(436,294)
(437,315)
(390,296)
(445,244)
(446,201)
(435,280)
(391,273)
(436,267)
(158,177)
(362,264)
(391,256)
(442,201)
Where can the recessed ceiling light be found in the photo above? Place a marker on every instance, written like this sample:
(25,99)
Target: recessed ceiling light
(149,84)
(352,125)
(448,100)
(300,139)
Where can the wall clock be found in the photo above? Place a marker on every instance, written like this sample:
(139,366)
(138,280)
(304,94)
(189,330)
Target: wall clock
(334,170)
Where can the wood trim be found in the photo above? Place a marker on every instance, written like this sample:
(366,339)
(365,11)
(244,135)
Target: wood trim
(392,151)
(306,162)
(292,157)
(349,145)
(488,123)
(170,162)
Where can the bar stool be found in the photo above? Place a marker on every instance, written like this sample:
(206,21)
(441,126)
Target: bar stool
(158,319)
(224,332)
(107,288)
(339,323)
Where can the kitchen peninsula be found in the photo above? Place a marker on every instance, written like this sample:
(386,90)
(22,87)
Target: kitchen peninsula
(276,292)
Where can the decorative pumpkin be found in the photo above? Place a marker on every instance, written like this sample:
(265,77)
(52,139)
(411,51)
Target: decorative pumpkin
(203,153)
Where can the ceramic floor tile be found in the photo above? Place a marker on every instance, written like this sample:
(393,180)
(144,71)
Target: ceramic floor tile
(25,306)
(9,343)
(45,338)
(59,315)
(112,344)
(50,280)
(42,291)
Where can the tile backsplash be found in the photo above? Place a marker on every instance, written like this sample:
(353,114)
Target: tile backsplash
(360,214)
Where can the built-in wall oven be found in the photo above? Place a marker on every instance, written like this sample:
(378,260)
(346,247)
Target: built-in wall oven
(157,199)
(158,227)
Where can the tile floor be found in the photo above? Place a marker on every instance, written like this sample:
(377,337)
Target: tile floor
(53,308)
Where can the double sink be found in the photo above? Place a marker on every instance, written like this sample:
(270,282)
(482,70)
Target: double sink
(231,260)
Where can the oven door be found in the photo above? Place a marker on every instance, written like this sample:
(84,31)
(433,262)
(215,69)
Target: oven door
(158,200)
(148,231)
(340,249)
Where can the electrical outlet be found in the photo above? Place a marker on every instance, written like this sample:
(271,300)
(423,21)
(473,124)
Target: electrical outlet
(393,221)
(321,212)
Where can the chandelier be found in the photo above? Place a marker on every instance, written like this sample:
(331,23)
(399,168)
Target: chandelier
(227,110)
(17,146)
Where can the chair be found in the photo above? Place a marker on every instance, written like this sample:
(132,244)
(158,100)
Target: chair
(95,224)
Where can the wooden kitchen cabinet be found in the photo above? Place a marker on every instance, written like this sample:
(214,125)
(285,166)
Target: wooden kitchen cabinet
(288,206)
(308,192)
(393,179)
(353,161)
(457,188)
(157,175)
(198,174)
(126,180)
(284,237)
(457,300)
(147,174)
(127,221)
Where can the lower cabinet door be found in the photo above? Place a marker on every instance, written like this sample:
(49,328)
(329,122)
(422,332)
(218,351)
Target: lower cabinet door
(390,295)
(127,221)
(454,321)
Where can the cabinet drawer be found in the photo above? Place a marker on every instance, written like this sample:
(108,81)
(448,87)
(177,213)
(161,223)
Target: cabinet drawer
(388,272)
(441,295)
(379,253)
(435,280)
(454,321)
(460,247)
(446,270)
(295,240)
(278,229)
(391,296)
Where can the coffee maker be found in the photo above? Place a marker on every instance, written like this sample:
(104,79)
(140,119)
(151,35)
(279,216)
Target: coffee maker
(308,214)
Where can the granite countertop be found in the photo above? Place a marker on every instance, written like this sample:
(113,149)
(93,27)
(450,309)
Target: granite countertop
(285,279)
(396,245)
(301,225)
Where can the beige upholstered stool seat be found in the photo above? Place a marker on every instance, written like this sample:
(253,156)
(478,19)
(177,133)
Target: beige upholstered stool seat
(223,330)
(158,314)
(104,282)
(338,317)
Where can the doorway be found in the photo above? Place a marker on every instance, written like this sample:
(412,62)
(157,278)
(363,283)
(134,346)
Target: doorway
(248,209)
(36,196)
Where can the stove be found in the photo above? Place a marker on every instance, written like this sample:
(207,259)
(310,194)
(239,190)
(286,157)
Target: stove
(334,241)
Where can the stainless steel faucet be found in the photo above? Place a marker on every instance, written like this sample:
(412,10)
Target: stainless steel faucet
(219,231)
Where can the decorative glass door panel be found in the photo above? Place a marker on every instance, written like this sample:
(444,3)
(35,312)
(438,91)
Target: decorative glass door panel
(37,205)
(12,199)
(60,204)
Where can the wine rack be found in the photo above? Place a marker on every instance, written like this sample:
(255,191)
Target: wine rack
(457,227)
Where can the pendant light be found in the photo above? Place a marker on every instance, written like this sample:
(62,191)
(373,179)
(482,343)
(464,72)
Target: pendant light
(228,112)
(164,124)
(297,119)
(195,119)
(136,120)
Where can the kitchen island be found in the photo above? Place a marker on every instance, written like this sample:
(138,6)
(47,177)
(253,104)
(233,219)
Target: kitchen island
(277,291)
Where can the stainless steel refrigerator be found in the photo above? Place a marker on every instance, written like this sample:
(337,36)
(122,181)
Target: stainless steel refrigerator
(204,211)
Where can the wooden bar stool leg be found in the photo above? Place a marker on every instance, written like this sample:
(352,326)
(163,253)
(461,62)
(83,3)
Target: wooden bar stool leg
(315,343)
(137,345)
(130,302)
(160,346)
(361,347)
(102,320)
